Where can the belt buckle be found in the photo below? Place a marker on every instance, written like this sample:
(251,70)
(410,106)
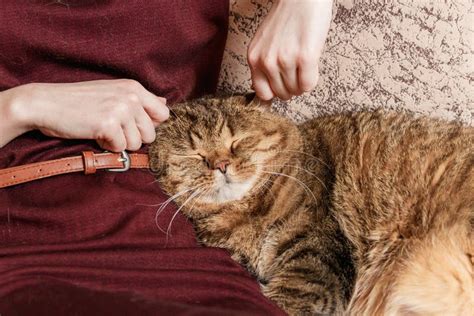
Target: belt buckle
(125,159)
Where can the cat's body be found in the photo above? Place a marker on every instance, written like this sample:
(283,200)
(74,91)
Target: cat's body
(370,213)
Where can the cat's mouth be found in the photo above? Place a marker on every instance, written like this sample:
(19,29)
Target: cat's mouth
(228,188)
(227,179)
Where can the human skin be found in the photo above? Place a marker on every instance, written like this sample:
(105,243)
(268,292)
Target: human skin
(284,53)
(121,114)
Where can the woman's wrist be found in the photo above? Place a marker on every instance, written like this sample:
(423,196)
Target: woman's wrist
(15,116)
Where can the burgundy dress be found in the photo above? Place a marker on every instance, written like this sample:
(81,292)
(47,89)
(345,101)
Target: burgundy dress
(77,244)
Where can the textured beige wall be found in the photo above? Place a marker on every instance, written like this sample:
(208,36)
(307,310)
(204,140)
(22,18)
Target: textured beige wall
(410,55)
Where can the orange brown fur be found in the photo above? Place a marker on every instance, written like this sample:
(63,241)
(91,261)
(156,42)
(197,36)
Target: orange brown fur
(365,214)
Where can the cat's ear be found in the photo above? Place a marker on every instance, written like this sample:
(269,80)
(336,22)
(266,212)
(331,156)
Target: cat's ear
(158,162)
(252,99)
(249,99)
(158,166)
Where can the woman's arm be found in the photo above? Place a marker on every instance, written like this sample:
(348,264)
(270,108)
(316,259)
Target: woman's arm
(284,53)
(118,114)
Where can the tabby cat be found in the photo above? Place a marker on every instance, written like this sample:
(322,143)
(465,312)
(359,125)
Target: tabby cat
(366,214)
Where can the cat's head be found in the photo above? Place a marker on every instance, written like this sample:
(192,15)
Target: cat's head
(215,151)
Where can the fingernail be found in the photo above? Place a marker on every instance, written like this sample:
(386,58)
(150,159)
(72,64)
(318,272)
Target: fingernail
(162,100)
(262,96)
(267,97)
(165,112)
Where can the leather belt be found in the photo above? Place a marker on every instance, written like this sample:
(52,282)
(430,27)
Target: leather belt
(89,162)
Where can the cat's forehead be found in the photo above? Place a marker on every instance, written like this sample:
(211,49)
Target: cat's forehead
(208,123)
(213,123)
(216,121)
(211,134)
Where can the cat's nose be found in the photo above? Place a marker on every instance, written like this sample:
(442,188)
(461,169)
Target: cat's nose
(221,165)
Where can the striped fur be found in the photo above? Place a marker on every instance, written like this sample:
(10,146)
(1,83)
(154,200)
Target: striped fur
(337,215)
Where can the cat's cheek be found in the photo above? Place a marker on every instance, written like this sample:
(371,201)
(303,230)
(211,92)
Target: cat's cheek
(207,172)
(159,169)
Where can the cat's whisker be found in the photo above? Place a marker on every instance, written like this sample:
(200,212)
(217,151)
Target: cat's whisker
(269,183)
(149,205)
(186,156)
(205,191)
(201,193)
(152,182)
(309,155)
(168,201)
(259,187)
(194,194)
(265,185)
(153,205)
(305,187)
(268,180)
(176,116)
(265,179)
(299,168)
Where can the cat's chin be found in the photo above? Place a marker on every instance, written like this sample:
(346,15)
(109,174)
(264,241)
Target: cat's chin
(229,191)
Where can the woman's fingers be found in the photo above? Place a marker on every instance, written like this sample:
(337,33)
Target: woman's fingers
(129,135)
(114,139)
(290,78)
(308,75)
(154,106)
(266,77)
(140,111)
(145,126)
(268,82)
(261,85)
(278,86)
(284,53)
(272,71)
(132,135)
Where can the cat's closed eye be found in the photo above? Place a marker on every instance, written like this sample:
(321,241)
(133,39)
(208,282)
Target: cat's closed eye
(196,155)
(204,160)
(233,146)
(242,142)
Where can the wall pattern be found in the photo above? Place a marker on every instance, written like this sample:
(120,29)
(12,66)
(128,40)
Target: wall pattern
(405,55)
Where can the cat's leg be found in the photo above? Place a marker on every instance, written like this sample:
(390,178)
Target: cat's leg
(299,294)
(312,275)
(437,279)
(432,275)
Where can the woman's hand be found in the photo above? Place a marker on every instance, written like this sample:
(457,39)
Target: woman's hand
(118,114)
(284,53)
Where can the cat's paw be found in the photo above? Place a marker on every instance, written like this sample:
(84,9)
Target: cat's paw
(300,301)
